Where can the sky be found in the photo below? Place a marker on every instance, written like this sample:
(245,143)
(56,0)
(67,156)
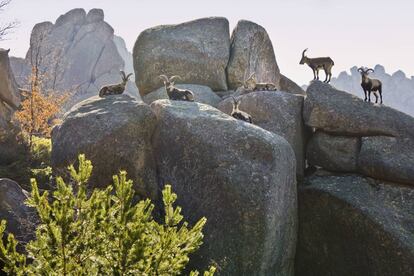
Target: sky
(351,32)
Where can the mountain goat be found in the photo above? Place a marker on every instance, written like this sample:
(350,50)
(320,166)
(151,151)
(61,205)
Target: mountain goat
(316,64)
(370,85)
(174,93)
(115,89)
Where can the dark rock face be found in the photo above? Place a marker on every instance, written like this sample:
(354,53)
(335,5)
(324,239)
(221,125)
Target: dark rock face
(9,93)
(78,54)
(115,134)
(348,227)
(197,51)
(341,113)
(334,153)
(202,94)
(21,219)
(290,86)
(387,158)
(240,177)
(278,112)
(251,52)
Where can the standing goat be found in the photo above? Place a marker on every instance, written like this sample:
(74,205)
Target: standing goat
(370,85)
(250,85)
(316,64)
(174,93)
(238,114)
(115,89)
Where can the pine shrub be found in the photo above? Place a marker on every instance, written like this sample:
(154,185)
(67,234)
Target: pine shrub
(102,233)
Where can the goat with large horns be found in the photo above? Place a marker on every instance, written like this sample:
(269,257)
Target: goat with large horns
(238,114)
(316,64)
(115,89)
(174,93)
(370,85)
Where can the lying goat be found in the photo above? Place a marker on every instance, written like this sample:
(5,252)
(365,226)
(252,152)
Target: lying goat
(370,85)
(238,114)
(174,93)
(250,85)
(115,89)
(316,64)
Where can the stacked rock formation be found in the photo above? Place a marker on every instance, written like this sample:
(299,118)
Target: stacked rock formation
(77,54)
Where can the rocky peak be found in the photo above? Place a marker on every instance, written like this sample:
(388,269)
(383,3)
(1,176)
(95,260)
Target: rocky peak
(95,15)
(78,54)
(74,17)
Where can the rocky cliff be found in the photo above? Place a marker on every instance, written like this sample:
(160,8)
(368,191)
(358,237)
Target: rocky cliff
(78,53)
(9,93)
(319,184)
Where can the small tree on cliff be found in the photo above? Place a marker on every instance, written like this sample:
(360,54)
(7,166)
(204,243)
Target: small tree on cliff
(105,233)
(37,112)
(39,108)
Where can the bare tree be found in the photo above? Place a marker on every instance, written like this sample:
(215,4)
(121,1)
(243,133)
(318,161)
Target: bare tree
(6,28)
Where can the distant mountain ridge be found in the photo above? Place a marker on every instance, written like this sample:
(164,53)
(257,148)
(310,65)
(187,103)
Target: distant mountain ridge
(398,89)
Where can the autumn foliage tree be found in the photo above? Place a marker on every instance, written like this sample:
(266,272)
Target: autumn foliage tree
(38,110)
(40,107)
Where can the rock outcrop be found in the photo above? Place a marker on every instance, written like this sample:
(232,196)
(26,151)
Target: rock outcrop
(115,134)
(239,176)
(251,51)
(278,112)
(334,153)
(387,158)
(350,225)
(341,113)
(21,219)
(197,51)
(379,140)
(290,86)
(9,93)
(77,54)
(202,94)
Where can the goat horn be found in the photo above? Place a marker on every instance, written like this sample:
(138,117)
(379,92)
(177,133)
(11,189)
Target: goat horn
(123,74)
(370,69)
(174,77)
(129,75)
(304,51)
(360,69)
(234,100)
(251,76)
(164,78)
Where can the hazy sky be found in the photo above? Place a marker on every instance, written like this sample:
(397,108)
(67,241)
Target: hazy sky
(341,29)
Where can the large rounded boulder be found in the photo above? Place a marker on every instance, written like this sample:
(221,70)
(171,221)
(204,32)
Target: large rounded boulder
(115,134)
(278,112)
(197,51)
(251,51)
(240,177)
(21,220)
(351,225)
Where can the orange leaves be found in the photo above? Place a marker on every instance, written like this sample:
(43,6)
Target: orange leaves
(38,111)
